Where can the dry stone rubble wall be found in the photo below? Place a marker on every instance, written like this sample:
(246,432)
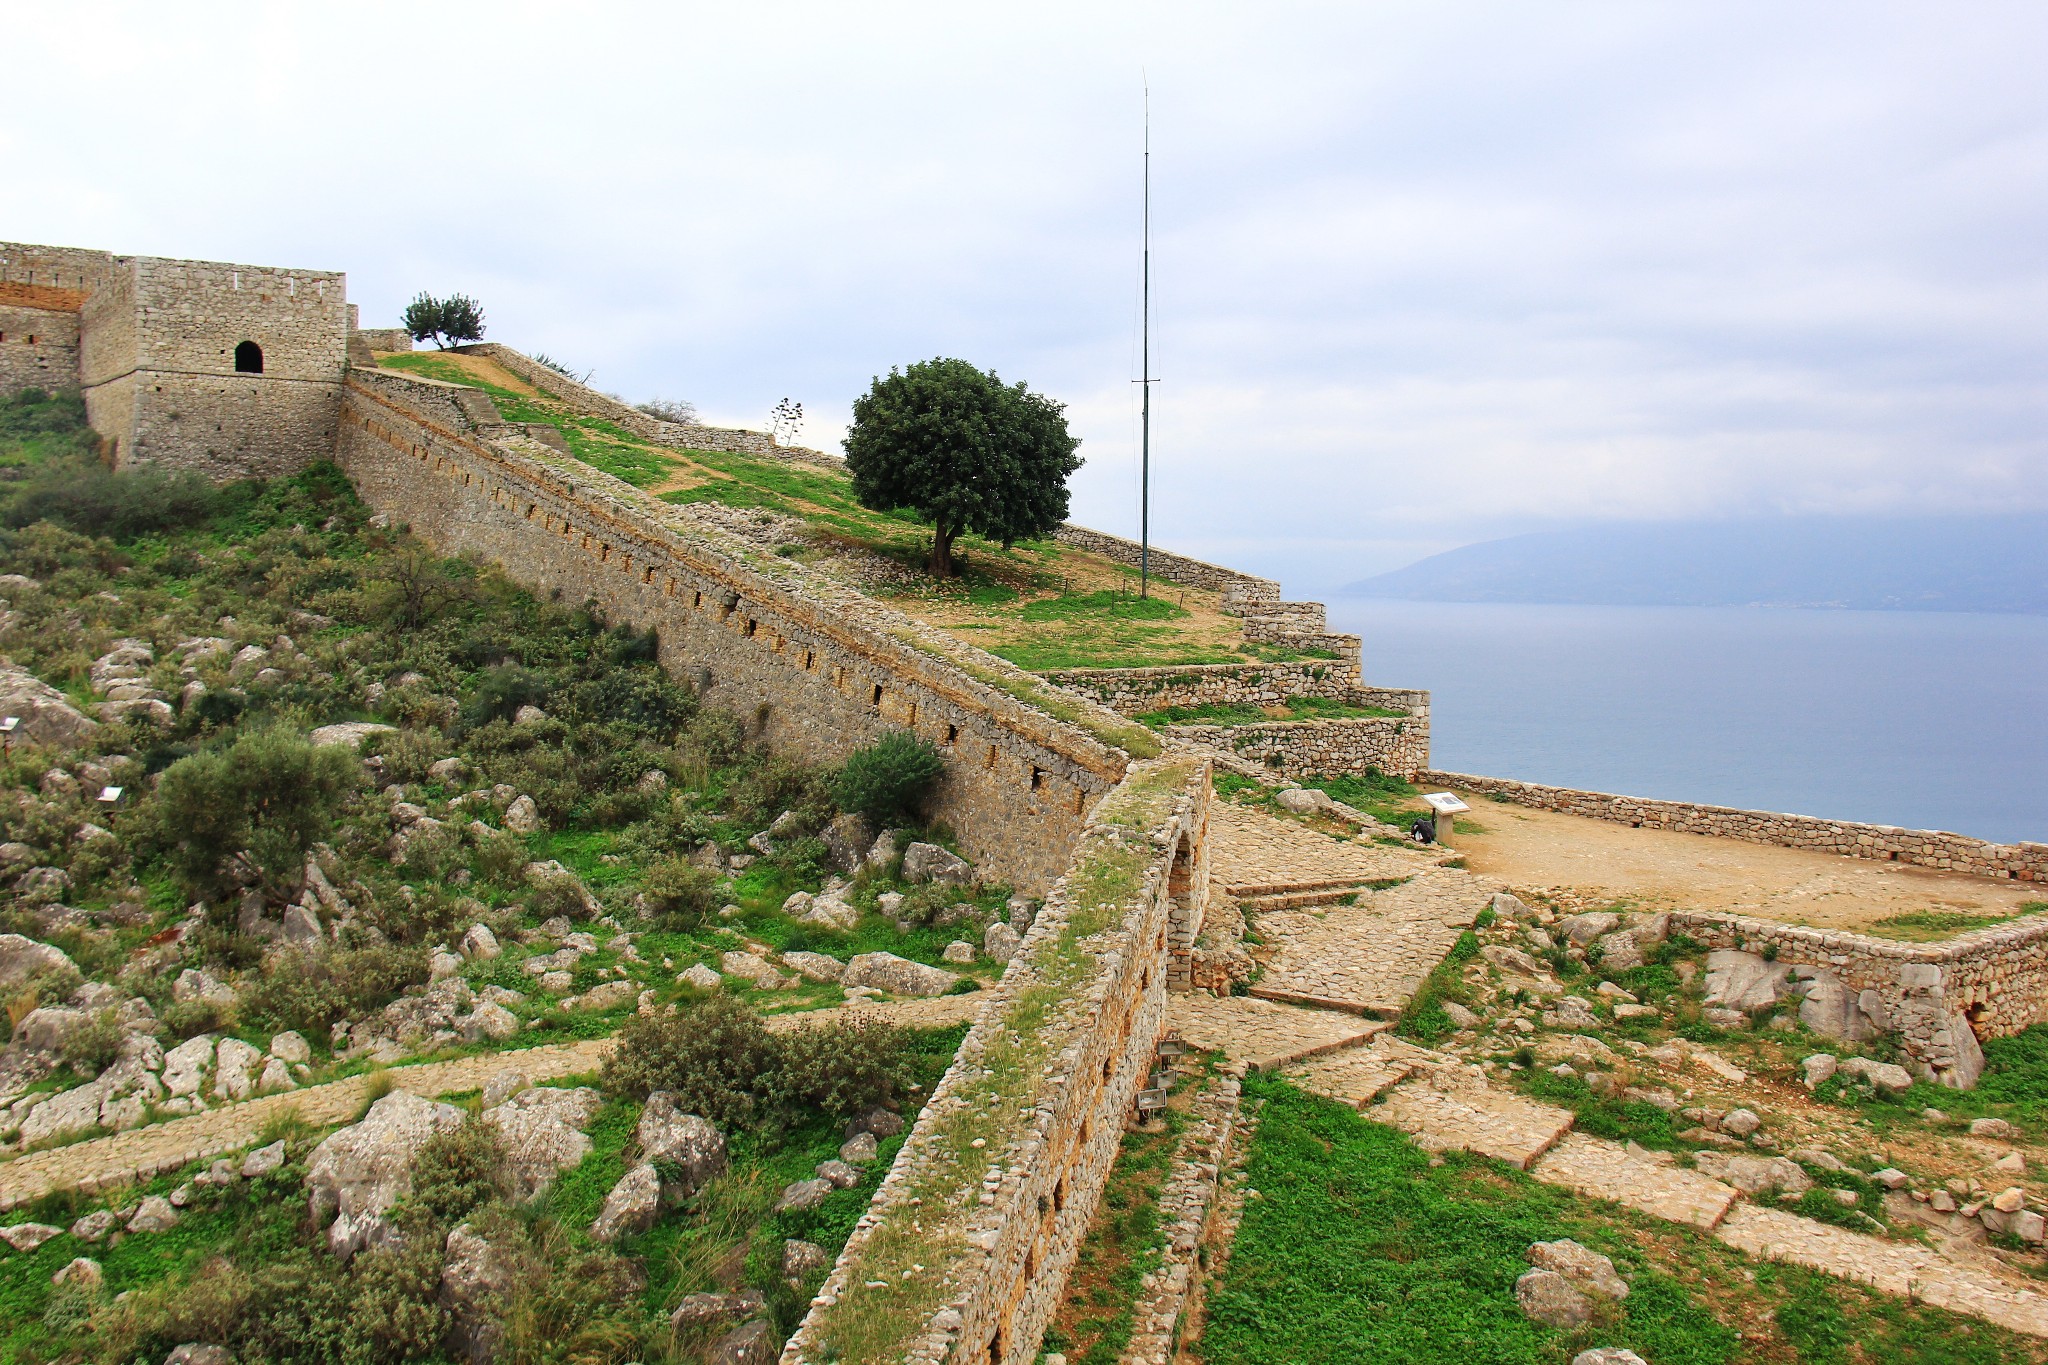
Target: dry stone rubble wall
(1320,748)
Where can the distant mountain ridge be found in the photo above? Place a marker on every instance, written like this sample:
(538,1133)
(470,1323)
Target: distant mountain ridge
(1982,563)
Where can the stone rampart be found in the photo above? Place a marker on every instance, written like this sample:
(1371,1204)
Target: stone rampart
(1320,748)
(1235,586)
(38,348)
(591,403)
(1938,998)
(964,1254)
(1134,691)
(385,339)
(819,668)
(1874,843)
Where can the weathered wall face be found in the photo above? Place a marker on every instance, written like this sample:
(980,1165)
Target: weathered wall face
(826,669)
(157,360)
(75,269)
(38,348)
(1875,843)
(1135,691)
(384,338)
(1320,748)
(988,1202)
(1938,998)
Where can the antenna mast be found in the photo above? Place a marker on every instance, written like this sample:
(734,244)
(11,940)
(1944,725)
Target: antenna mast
(1145,420)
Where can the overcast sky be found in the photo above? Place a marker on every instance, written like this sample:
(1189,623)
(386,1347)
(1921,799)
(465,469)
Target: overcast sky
(1424,273)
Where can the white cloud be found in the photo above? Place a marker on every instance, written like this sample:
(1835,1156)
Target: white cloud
(1424,272)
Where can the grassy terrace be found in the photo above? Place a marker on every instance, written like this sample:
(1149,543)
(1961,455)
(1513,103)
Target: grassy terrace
(1038,604)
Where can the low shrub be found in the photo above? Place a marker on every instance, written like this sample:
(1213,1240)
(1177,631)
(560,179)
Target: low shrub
(680,895)
(456,1172)
(888,781)
(320,990)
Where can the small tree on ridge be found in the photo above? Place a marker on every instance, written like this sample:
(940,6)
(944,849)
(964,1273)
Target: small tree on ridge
(445,322)
(961,451)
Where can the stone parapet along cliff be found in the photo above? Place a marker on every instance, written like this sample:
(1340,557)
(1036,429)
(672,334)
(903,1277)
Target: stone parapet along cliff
(1236,587)
(964,1254)
(1876,843)
(820,668)
(1134,691)
(1319,748)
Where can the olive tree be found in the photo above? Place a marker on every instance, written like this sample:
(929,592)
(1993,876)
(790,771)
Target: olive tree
(961,451)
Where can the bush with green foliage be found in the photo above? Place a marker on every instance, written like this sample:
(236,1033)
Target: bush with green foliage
(267,797)
(888,781)
(445,322)
(961,451)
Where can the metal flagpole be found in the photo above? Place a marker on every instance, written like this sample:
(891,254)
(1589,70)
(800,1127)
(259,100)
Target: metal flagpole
(1145,419)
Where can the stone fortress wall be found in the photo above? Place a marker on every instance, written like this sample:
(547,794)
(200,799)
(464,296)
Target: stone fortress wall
(42,292)
(988,1203)
(2027,862)
(1319,748)
(821,668)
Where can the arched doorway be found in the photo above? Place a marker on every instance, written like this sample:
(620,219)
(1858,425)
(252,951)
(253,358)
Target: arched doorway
(248,358)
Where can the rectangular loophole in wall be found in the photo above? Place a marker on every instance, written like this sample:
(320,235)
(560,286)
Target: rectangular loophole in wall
(876,699)
(952,735)
(810,660)
(752,626)
(911,719)
(1037,779)
(991,764)
(697,599)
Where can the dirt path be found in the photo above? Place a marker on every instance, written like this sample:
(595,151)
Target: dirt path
(143,1153)
(1659,868)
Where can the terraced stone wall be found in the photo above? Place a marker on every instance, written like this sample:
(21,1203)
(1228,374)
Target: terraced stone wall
(1134,691)
(965,1252)
(818,668)
(1938,998)
(1874,843)
(1321,748)
(1235,586)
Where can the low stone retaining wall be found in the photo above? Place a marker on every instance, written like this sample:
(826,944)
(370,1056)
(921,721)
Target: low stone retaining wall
(1876,843)
(1184,1207)
(1320,748)
(1938,998)
(1235,586)
(1134,691)
(964,1254)
(818,667)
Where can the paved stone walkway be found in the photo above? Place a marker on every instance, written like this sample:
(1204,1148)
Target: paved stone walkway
(1372,956)
(143,1153)
(1442,1106)
(1261,1033)
(1356,1076)
(1255,854)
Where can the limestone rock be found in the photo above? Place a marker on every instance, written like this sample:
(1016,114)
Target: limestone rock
(1833,1010)
(959,951)
(1818,1069)
(1583,929)
(153,1214)
(1509,906)
(841,1175)
(1549,1298)
(47,716)
(1887,1076)
(24,959)
(231,1074)
(1001,942)
(351,733)
(631,1206)
(847,841)
(186,1064)
(488,1021)
(291,1046)
(1459,1016)
(753,1343)
(26,1237)
(364,1169)
(1754,1174)
(608,996)
(749,967)
(96,1225)
(263,1161)
(1608,1355)
(802,1194)
(523,817)
(193,984)
(479,943)
(709,1310)
(858,1149)
(702,977)
(81,1272)
(542,1130)
(476,1282)
(1741,1122)
(1993,1128)
(1512,960)
(503,1085)
(799,1259)
(930,863)
(1586,1268)
(882,1123)
(693,1144)
(815,966)
(896,975)
(1743,981)
(1301,800)
(47,1028)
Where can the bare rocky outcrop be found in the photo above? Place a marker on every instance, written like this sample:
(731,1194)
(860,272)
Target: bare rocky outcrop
(930,863)
(23,959)
(476,1282)
(897,975)
(690,1146)
(542,1130)
(47,716)
(360,1172)
(632,1205)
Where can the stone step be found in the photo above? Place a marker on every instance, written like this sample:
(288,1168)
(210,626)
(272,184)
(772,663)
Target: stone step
(1478,1119)
(1356,1076)
(1281,995)
(1303,900)
(1261,1034)
(1243,890)
(1609,1170)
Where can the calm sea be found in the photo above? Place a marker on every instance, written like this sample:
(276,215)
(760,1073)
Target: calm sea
(1932,720)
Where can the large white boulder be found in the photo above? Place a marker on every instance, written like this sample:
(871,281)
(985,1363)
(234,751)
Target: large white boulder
(360,1172)
(897,975)
(542,1131)
(24,959)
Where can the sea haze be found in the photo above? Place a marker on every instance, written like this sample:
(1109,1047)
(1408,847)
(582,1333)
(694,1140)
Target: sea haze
(1932,720)
(1973,564)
